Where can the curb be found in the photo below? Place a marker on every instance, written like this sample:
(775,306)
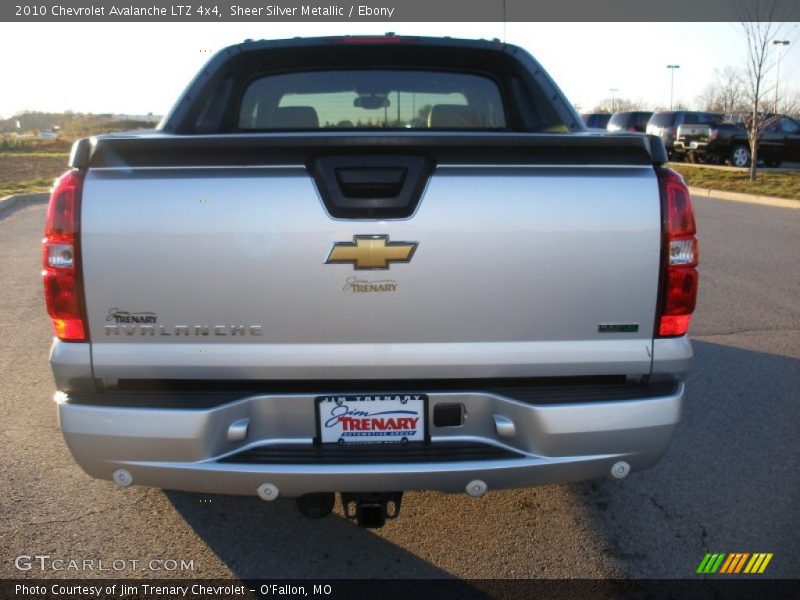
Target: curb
(8,203)
(747,198)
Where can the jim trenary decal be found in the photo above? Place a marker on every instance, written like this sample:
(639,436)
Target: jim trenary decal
(380,418)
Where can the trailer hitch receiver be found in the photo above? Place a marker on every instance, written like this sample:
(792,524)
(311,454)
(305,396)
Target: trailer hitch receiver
(371,509)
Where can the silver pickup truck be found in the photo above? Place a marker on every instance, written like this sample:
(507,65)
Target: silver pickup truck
(367,265)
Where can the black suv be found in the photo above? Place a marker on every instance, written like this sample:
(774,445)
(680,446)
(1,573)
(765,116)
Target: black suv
(665,124)
(634,120)
(727,142)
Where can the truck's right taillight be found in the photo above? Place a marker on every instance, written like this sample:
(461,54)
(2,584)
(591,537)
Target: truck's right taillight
(63,286)
(678,292)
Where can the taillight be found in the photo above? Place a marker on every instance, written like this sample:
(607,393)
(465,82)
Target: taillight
(712,135)
(63,286)
(678,292)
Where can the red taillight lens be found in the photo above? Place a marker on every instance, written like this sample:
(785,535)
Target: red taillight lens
(63,289)
(679,287)
(680,217)
(712,135)
(64,305)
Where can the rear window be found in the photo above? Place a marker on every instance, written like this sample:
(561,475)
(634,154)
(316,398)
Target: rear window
(371,99)
(702,118)
(666,119)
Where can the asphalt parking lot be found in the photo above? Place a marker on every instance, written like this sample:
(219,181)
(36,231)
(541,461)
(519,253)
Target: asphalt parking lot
(730,483)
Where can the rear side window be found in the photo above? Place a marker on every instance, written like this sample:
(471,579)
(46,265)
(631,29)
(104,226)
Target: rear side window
(596,120)
(790,126)
(710,118)
(701,118)
(371,99)
(618,119)
(662,119)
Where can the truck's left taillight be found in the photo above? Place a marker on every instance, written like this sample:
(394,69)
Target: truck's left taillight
(678,292)
(63,281)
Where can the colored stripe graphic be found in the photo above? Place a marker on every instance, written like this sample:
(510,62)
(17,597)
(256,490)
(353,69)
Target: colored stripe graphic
(754,562)
(734,563)
(711,563)
(765,563)
(716,565)
(727,564)
(739,566)
(703,563)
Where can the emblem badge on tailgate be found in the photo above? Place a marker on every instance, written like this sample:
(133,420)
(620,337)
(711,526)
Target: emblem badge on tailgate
(367,252)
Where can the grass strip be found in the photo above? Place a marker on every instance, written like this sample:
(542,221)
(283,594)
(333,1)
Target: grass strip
(777,185)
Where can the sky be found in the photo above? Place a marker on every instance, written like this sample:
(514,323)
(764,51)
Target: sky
(140,68)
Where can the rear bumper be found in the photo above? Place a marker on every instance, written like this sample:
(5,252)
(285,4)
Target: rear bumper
(681,147)
(566,440)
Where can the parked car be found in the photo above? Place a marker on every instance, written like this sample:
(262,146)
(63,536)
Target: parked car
(635,120)
(665,124)
(253,300)
(596,120)
(728,142)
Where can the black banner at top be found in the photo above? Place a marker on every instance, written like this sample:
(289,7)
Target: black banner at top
(395,10)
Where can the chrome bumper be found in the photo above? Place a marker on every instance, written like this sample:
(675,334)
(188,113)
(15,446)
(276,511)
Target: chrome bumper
(190,449)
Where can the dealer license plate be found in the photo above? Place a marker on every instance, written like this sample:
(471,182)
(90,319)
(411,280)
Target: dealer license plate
(371,418)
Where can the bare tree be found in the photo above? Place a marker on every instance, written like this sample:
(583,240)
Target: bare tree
(730,83)
(726,94)
(610,105)
(760,24)
(790,102)
(708,99)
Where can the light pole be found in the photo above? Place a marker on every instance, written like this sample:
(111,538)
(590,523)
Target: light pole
(613,91)
(672,82)
(780,44)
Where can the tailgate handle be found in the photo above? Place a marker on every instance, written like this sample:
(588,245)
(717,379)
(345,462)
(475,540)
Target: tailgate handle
(384,186)
(371,182)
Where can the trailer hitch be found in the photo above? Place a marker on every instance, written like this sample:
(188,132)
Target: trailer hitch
(371,509)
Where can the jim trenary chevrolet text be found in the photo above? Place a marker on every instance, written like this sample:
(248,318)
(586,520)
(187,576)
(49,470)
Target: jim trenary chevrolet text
(367,265)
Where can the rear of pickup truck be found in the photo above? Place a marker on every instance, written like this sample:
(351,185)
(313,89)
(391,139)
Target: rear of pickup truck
(369,265)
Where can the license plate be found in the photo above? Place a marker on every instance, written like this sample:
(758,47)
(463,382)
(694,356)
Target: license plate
(693,145)
(371,418)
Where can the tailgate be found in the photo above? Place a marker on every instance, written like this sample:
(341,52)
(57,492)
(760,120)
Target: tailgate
(502,270)
(694,135)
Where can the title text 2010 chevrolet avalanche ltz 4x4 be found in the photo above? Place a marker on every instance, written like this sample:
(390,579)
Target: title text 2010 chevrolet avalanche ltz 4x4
(367,265)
